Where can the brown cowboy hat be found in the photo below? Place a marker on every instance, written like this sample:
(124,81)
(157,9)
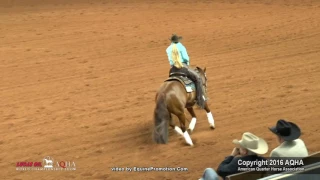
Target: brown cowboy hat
(253,143)
(175,38)
(288,131)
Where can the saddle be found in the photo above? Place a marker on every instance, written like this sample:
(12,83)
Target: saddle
(183,79)
(181,74)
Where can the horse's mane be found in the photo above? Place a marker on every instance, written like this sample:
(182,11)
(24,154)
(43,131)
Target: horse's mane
(201,71)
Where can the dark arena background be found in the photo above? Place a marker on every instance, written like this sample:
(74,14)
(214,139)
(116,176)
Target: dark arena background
(79,78)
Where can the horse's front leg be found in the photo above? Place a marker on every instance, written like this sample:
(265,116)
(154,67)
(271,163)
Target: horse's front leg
(193,120)
(210,116)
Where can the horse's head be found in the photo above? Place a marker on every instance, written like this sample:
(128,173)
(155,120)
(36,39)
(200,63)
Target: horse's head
(203,76)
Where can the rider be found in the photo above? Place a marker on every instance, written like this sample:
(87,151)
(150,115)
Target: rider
(179,61)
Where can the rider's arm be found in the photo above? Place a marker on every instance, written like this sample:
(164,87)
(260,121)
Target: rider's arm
(185,55)
(169,56)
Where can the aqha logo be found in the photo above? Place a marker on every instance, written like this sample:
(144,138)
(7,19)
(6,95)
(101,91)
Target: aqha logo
(48,161)
(67,165)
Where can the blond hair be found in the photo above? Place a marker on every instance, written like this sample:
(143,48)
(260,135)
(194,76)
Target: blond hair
(176,57)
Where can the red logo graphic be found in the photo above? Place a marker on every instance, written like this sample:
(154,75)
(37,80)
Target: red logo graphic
(29,164)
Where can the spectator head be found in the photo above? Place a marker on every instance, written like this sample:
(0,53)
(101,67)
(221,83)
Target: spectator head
(251,144)
(286,131)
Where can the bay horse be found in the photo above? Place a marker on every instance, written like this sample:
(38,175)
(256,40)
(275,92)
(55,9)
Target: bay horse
(172,98)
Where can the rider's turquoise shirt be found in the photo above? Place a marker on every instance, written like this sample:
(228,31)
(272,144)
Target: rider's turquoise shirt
(183,54)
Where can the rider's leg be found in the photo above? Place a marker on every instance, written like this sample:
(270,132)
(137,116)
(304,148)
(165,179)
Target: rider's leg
(201,86)
(200,99)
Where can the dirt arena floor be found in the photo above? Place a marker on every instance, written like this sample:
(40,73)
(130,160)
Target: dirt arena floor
(78,81)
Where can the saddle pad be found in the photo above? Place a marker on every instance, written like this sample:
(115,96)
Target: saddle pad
(186,80)
(189,89)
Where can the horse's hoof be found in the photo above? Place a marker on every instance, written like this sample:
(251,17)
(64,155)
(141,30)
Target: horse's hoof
(212,127)
(187,144)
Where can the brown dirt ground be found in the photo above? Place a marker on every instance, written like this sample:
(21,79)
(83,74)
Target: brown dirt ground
(78,81)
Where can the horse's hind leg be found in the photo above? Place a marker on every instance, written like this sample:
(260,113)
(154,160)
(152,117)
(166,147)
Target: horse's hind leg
(210,116)
(193,120)
(176,128)
(182,119)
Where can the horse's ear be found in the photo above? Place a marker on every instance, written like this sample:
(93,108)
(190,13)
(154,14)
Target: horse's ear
(204,70)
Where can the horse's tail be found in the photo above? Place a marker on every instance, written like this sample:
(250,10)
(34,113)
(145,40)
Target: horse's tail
(161,118)
(175,54)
